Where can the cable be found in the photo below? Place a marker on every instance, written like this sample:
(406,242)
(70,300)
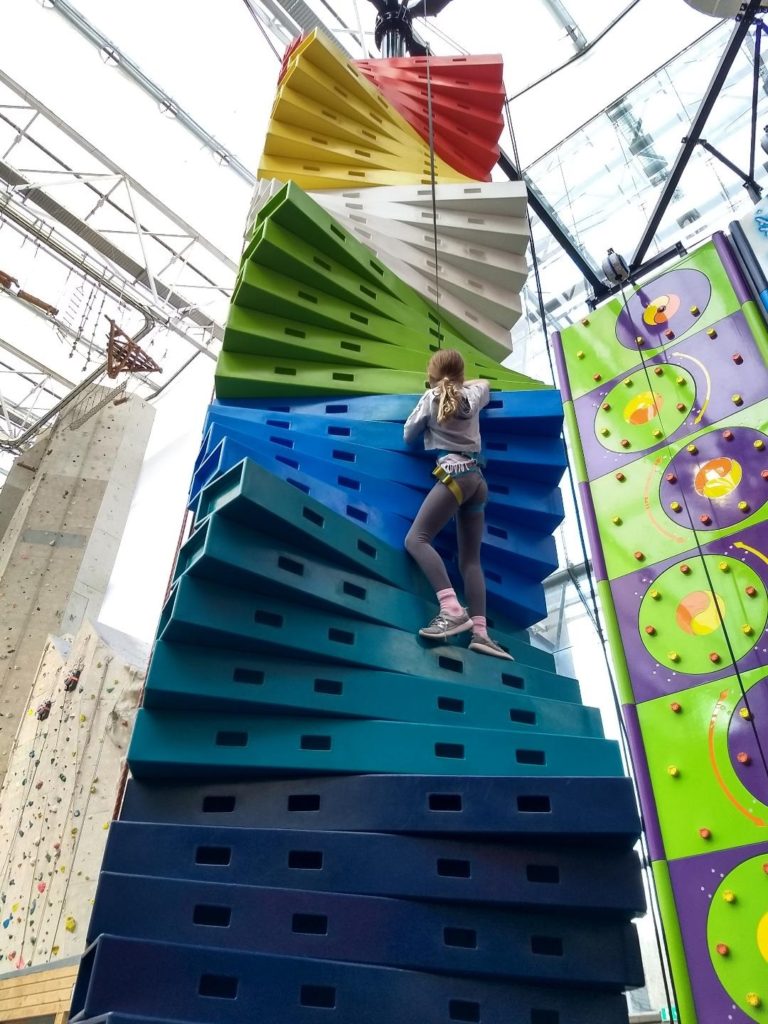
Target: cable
(626,749)
(576,56)
(262,29)
(434,193)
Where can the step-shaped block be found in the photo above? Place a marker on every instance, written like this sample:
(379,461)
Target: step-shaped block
(514,455)
(457,102)
(535,413)
(250,494)
(195,985)
(190,744)
(224,552)
(479,942)
(528,551)
(481,266)
(330,127)
(528,504)
(590,810)
(199,612)
(193,678)
(403,867)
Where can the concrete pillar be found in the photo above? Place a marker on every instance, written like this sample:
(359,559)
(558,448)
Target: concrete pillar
(68,500)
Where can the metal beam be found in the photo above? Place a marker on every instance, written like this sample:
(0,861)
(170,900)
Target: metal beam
(697,126)
(546,214)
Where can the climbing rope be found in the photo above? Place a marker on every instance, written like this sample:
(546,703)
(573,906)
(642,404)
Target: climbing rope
(431,127)
(593,613)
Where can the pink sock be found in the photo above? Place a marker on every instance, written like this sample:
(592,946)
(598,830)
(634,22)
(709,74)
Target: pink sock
(449,603)
(480,625)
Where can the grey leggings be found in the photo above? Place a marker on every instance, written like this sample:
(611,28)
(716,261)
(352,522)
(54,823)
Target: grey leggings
(438,508)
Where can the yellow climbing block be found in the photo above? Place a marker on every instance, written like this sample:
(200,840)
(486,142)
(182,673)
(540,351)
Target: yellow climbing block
(330,128)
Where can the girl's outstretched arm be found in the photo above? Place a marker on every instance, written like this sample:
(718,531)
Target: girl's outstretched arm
(416,423)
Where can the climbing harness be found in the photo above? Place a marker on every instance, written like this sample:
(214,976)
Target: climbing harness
(445,478)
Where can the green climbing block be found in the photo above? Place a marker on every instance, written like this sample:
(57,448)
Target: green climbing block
(277,250)
(258,334)
(245,376)
(251,495)
(269,292)
(293,210)
(205,613)
(169,744)
(188,678)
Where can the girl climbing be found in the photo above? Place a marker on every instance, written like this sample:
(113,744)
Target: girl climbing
(448,415)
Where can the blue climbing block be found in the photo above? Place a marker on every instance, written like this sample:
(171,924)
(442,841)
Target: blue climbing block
(189,744)
(198,985)
(186,677)
(536,412)
(531,876)
(591,810)
(521,501)
(360,500)
(203,613)
(476,941)
(531,553)
(251,495)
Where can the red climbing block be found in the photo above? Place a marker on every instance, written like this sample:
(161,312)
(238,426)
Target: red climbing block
(467,104)
(289,51)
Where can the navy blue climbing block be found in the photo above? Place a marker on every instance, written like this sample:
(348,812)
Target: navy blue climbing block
(532,876)
(231,987)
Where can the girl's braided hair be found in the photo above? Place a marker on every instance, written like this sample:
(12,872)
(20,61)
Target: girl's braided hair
(446,369)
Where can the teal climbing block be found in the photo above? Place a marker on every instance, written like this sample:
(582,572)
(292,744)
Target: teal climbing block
(249,494)
(210,614)
(186,677)
(228,553)
(175,744)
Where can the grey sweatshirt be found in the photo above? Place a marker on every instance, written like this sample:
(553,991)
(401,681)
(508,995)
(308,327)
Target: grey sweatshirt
(460,433)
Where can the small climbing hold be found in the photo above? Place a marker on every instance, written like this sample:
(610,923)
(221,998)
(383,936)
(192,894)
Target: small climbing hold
(621,478)
(695,310)
(658,370)
(723,567)
(655,595)
(597,376)
(676,506)
(681,407)
(759,444)
(650,630)
(750,591)
(705,519)
(639,556)
(685,569)
(606,407)
(617,520)
(705,833)
(754,999)
(624,442)
(673,656)
(714,657)
(711,333)
(639,341)
(746,714)
(671,478)
(673,770)
(722,949)
(580,354)
(676,707)
(692,449)
(70,924)
(737,399)
(628,382)
(729,896)
(747,630)
(743,757)
(728,435)
(737,358)
(680,381)
(669,333)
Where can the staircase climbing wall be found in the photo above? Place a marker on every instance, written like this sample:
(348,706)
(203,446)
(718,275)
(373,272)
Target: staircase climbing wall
(666,403)
(330,819)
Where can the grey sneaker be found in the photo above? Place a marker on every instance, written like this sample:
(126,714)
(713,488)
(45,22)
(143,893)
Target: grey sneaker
(444,625)
(484,645)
